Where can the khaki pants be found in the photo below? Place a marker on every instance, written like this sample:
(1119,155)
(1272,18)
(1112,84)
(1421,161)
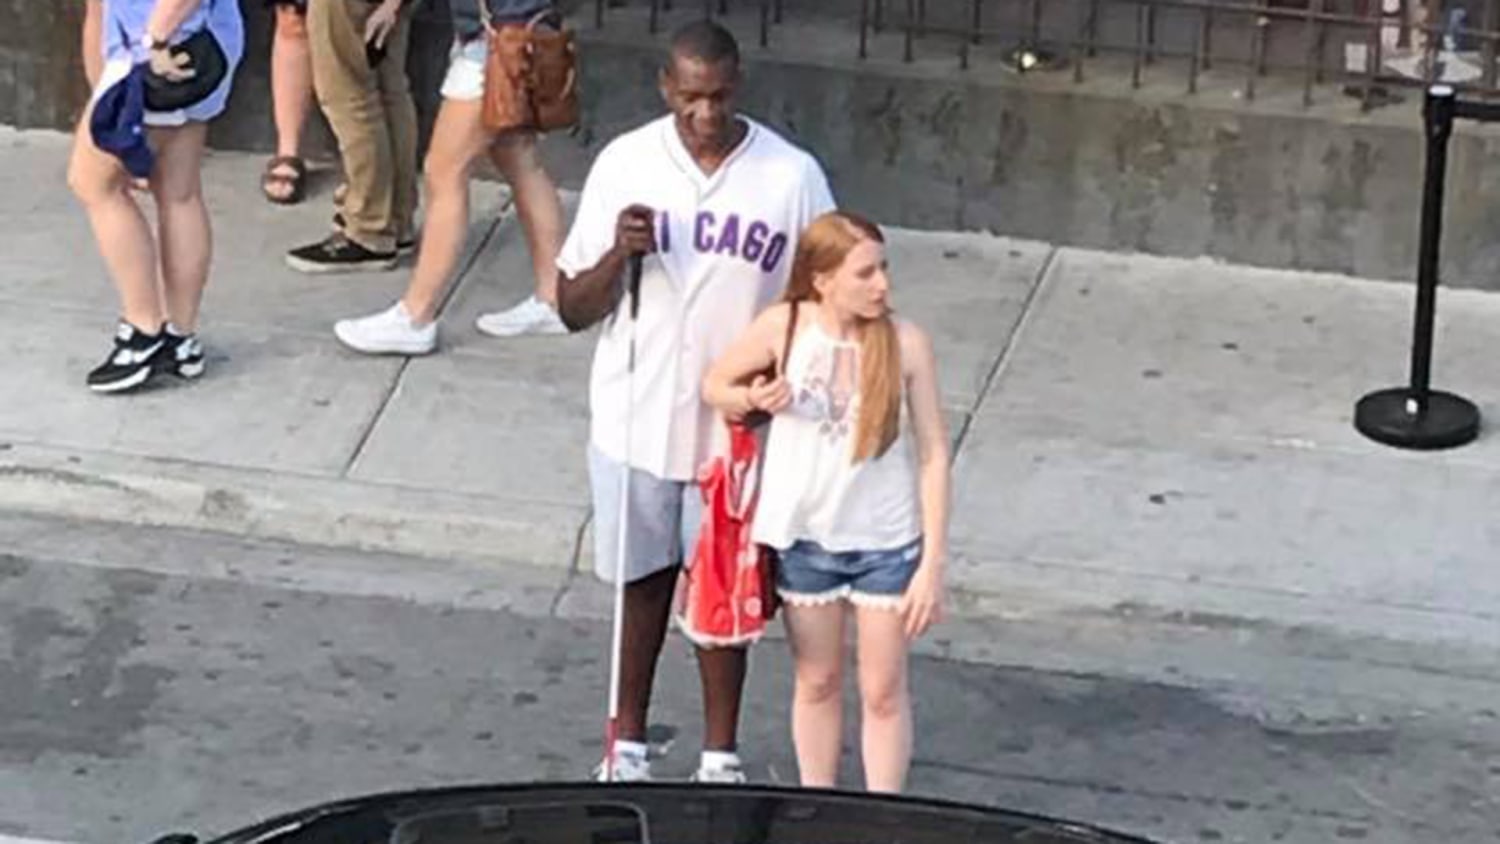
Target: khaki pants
(373,117)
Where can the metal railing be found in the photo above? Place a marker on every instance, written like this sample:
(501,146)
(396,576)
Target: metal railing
(1365,45)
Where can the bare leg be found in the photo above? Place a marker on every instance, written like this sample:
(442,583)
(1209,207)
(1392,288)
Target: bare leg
(458,138)
(93,46)
(182,219)
(721,672)
(120,229)
(648,608)
(538,206)
(885,699)
(817,639)
(291,90)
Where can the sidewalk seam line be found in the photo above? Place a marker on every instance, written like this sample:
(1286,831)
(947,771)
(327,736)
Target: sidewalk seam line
(1023,320)
(573,566)
(463,273)
(369,431)
(506,210)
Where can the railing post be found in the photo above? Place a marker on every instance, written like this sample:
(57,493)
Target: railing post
(1416,416)
(1488,51)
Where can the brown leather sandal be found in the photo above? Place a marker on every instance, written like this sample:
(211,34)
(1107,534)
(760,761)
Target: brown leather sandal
(297,181)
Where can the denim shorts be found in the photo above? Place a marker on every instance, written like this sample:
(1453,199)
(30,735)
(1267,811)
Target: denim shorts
(809,575)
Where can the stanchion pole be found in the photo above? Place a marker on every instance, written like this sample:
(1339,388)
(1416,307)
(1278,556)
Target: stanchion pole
(1416,416)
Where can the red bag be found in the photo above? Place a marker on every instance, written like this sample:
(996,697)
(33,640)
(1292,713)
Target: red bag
(729,596)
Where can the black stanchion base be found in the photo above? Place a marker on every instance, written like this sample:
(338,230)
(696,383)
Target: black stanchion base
(1448,422)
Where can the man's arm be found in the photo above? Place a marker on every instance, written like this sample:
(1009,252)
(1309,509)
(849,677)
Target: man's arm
(592,295)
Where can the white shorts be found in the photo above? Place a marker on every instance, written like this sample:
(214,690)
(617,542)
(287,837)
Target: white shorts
(663,521)
(465,78)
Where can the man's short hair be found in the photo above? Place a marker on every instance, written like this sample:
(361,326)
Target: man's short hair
(704,41)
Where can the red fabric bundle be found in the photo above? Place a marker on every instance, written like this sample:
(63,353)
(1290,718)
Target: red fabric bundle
(728,596)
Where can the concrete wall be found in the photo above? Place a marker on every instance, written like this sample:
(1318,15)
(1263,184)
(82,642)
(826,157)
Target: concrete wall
(1098,165)
(248,124)
(41,83)
(1324,189)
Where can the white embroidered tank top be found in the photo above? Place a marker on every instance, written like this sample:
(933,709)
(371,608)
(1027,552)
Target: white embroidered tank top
(810,487)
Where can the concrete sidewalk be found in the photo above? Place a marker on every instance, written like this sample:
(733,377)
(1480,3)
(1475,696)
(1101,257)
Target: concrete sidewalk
(1137,436)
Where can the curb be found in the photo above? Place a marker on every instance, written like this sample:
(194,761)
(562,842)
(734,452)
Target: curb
(257,504)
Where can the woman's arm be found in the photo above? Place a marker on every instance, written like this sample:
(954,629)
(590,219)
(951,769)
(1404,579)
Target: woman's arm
(925,597)
(725,387)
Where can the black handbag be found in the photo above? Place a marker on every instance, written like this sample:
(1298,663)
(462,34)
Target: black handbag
(209,66)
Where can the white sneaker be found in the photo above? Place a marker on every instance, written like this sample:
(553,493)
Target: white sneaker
(531,316)
(723,774)
(390,332)
(628,767)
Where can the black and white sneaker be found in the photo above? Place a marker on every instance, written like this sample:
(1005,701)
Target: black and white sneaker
(130,363)
(338,254)
(183,355)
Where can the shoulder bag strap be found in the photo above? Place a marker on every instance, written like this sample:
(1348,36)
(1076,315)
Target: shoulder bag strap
(786,343)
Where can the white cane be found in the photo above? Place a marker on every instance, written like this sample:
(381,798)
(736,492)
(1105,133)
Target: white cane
(612,730)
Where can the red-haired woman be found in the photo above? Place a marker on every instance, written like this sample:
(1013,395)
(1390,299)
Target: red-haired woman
(854,488)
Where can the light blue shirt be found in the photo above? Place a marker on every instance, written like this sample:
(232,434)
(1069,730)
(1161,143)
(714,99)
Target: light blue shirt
(125,28)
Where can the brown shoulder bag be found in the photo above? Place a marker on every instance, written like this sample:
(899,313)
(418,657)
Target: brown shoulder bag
(530,75)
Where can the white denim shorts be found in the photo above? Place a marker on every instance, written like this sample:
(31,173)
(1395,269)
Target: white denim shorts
(465,78)
(663,521)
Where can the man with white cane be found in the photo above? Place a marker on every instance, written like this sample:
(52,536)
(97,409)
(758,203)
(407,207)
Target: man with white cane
(711,202)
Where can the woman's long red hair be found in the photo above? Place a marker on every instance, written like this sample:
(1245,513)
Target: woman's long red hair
(822,248)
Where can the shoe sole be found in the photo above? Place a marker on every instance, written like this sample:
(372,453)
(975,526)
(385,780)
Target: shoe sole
(413,350)
(597,775)
(699,779)
(601,779)
(302,265)
(189,370)
(129,382)
(524,331)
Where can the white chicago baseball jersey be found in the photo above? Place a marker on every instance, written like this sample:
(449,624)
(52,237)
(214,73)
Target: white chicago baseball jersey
(724,250)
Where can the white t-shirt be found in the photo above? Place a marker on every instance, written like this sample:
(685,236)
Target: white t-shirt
(725,244)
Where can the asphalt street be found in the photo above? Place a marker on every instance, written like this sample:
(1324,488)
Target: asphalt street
(155,680)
